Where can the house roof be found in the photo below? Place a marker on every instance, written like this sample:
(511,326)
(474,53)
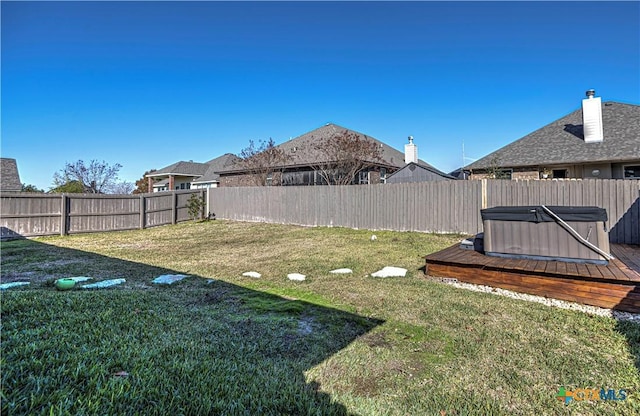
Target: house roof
(181,168)
(302,150)
(215,166)
(201,172)
(562,142)
(9,176)
(423,166)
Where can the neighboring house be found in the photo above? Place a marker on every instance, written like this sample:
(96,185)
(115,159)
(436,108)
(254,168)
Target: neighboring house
(190,175)
(460,173)
(596,141)
(303,154)
(9,176)
(416,170)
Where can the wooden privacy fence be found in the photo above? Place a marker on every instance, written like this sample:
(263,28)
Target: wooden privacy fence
(444,207)
(28,214)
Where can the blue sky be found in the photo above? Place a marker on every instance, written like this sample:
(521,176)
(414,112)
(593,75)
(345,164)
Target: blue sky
(146,84)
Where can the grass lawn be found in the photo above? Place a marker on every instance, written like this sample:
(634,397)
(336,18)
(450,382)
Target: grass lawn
(221,343)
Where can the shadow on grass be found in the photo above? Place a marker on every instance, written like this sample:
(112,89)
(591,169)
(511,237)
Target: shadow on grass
(631,331)
(196,347)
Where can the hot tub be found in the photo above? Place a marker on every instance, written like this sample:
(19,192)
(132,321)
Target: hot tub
(573,234)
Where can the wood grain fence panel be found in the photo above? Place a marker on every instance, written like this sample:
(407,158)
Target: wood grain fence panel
(32,215)
(29,215)
(93,213)
(158,209)
(428,206)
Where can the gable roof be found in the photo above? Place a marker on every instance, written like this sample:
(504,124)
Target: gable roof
(182,168)
(303,151)
(425,167)
(201,172)
(215,166)
(562,142)
(9,176)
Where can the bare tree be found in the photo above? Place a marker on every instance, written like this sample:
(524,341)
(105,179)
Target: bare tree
(344,155)
(123,188)
(263,161)
(96,177)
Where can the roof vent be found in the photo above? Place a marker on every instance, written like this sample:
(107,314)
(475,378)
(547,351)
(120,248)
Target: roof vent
(410,152)
(592,118)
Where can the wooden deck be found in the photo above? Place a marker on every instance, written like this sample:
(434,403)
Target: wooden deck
(614,286)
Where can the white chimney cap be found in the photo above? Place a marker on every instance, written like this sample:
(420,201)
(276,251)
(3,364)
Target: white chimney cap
(410,139)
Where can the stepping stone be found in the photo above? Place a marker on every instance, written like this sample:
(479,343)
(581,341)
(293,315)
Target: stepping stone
(80,278)
(167,279)
(390,271)
(341,271)
(104,283)
(296,276)
(5,286)
(252,274)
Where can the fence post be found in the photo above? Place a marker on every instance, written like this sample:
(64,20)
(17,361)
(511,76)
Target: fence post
(207,207)
(174,208)
(64,223)
(202,206)
(484,193)
(142,211)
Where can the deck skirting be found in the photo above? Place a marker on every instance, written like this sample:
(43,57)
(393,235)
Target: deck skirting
(612,286)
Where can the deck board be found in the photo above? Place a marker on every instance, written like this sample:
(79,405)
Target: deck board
(615,285)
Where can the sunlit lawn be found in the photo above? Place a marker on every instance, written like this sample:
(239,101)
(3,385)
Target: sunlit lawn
(221,343)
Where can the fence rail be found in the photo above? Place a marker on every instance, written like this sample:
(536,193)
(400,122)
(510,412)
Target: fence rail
(29,215)
(446,207)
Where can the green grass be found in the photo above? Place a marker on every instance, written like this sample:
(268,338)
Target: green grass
(220,343)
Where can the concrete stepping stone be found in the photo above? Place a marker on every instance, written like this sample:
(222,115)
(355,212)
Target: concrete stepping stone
(296,276)
(104,284)
(255,275)
(5,286)
(168,279)
(79,279)
(341,271)
(390,271)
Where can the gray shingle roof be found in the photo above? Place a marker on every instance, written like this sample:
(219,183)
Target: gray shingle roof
(201,172)
(303,152)
(9,176)
(562,142)
(215,166)
(424,167)
(182,168)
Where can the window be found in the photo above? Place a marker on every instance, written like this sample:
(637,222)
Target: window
(383,175)
(503,174)
(632,172)
(363,178)
(559,173)
(269,179)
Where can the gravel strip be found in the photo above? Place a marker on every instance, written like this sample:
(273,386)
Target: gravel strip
(593,310)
